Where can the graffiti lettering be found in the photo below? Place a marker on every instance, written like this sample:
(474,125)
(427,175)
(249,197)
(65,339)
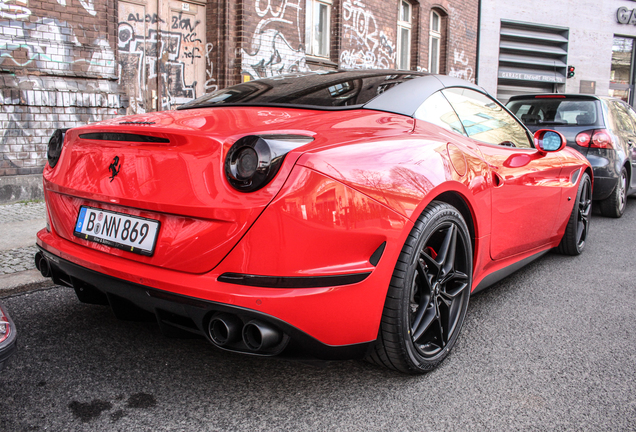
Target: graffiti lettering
(191,37)
(138,63)
(152,19)
(271,52)
(368,46)
(88,5)
(183,23)
(191,54)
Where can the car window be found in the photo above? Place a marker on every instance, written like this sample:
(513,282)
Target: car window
(485,120)
(555,111)
(438,111)
(622,118)
(331,89)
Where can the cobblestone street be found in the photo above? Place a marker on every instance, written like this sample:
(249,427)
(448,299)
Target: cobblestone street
(19,223)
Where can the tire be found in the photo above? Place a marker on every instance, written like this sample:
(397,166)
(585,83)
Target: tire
(614,205)
(428,295)
(577,229)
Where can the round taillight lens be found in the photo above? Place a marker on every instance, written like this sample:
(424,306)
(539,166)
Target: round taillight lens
(253,161)
(583,139)
(246,163)
(601,139)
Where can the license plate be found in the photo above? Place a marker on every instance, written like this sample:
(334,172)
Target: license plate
(118,230)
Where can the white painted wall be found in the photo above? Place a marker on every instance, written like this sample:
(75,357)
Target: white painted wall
(592,25)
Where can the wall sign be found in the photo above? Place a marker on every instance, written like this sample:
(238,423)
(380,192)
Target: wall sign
(625,16)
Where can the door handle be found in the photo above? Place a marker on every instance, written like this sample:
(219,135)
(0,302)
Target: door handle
(497,179)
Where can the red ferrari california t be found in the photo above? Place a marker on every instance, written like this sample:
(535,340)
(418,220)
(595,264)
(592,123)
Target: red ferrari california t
(341,215)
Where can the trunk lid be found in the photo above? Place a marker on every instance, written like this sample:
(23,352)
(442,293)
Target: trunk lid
(169,167)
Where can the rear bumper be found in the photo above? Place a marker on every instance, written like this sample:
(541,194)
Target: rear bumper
(194,313)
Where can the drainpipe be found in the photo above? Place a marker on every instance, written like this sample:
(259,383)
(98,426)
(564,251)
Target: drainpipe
(478,37)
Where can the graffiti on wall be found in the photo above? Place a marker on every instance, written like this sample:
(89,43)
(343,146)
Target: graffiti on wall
(366,46)
(159,53)
(210,83)
(50,42)
(276,44)
(461,67)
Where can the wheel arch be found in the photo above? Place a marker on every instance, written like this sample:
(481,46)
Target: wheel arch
(458,201)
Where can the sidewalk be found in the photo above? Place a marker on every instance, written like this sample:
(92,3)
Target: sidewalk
(19,222)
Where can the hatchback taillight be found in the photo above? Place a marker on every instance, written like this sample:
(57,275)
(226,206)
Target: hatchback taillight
(599,138)
(583,138)
(5,326)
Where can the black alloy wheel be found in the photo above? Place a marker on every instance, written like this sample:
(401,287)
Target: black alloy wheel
(428,297)
(577,229)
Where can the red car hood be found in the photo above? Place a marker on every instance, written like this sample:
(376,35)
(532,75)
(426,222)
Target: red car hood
(181,182)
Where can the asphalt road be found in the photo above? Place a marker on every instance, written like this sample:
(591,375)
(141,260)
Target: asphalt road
(552,347)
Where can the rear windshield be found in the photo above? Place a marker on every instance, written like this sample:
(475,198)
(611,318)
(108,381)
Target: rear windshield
(548,111)
(336,90)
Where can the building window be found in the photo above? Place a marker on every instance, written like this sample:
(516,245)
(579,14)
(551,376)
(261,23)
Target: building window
(404,36)
(317,27)
(435,37)
(622,71)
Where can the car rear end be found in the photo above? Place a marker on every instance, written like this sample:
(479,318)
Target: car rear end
(585,122)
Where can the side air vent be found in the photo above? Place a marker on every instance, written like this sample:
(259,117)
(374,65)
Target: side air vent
(112,136)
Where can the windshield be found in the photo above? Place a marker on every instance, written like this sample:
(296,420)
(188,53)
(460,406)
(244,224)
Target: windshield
(556,111)
(335,90)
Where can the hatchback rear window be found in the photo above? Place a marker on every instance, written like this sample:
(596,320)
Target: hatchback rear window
(556,112)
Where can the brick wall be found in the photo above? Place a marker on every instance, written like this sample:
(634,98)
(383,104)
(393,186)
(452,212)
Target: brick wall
(57,70)
(270,36)
(61,60)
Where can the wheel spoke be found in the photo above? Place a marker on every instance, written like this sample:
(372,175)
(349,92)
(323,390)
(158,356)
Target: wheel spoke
(460,282)
(446,254)
(579,231)
(430,262)
(429,315)
(443,336)
(424,275)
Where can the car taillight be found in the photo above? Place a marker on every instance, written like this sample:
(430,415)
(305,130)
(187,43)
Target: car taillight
(55,147)
(5,326)
(599,138)
(253,161)
(583,138)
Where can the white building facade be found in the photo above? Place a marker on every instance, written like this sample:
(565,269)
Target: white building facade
(530,46)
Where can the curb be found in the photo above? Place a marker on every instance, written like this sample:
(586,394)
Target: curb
(23,281)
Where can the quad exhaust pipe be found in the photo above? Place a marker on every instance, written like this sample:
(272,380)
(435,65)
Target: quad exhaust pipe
(42,264)
(226,329)
(259,336)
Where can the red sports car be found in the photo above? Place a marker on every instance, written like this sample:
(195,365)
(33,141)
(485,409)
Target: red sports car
(345,214)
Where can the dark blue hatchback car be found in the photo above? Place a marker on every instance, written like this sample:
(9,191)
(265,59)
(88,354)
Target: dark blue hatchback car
(601,128)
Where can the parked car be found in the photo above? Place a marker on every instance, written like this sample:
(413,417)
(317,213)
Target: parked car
(601,128)
(8,336)
(342,214)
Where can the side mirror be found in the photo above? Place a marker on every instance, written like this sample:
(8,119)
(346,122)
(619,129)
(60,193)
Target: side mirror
(546,140)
